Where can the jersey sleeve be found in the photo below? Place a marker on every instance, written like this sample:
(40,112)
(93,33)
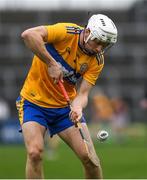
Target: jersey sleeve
(93,72)
(56,32)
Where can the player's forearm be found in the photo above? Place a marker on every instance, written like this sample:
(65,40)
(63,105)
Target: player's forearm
(80,101)
(35,43)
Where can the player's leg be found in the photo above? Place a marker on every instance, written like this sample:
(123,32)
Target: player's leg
(33,125)
(34,141)
(73,138)
(51,146)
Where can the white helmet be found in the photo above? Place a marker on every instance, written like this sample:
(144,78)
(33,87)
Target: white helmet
(102,28)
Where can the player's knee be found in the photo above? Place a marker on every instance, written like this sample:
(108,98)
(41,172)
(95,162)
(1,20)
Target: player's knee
(35,154)
(90,160)
(84,157)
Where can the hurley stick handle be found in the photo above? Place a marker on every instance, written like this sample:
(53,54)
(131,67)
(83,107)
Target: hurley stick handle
(64,92)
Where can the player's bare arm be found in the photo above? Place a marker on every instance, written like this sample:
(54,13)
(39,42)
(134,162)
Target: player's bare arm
(35,39)
(80,101)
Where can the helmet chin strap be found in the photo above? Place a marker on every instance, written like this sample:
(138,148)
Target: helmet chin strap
(86,40)
(84,49)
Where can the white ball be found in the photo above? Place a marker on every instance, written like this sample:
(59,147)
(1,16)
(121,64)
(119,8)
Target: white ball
(102,135)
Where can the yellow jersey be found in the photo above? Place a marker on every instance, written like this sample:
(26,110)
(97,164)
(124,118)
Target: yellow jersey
(63,45)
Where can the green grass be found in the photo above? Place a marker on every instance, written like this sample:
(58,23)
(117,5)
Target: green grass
(12,162)
(124,163)
(128,160)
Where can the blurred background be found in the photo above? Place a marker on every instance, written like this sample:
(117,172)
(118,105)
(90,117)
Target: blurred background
(118,103)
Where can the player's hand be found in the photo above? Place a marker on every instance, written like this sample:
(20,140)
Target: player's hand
(75,114)
(55,72)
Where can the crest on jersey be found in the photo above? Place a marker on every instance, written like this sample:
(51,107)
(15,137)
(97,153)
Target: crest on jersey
(83,68)
(68,50)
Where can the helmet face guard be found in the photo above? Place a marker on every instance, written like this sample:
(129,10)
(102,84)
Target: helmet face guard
(89,51)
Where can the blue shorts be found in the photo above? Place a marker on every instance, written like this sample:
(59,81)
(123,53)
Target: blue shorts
(54,119)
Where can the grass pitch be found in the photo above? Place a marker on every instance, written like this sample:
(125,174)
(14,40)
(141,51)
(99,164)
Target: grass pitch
(119,161)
